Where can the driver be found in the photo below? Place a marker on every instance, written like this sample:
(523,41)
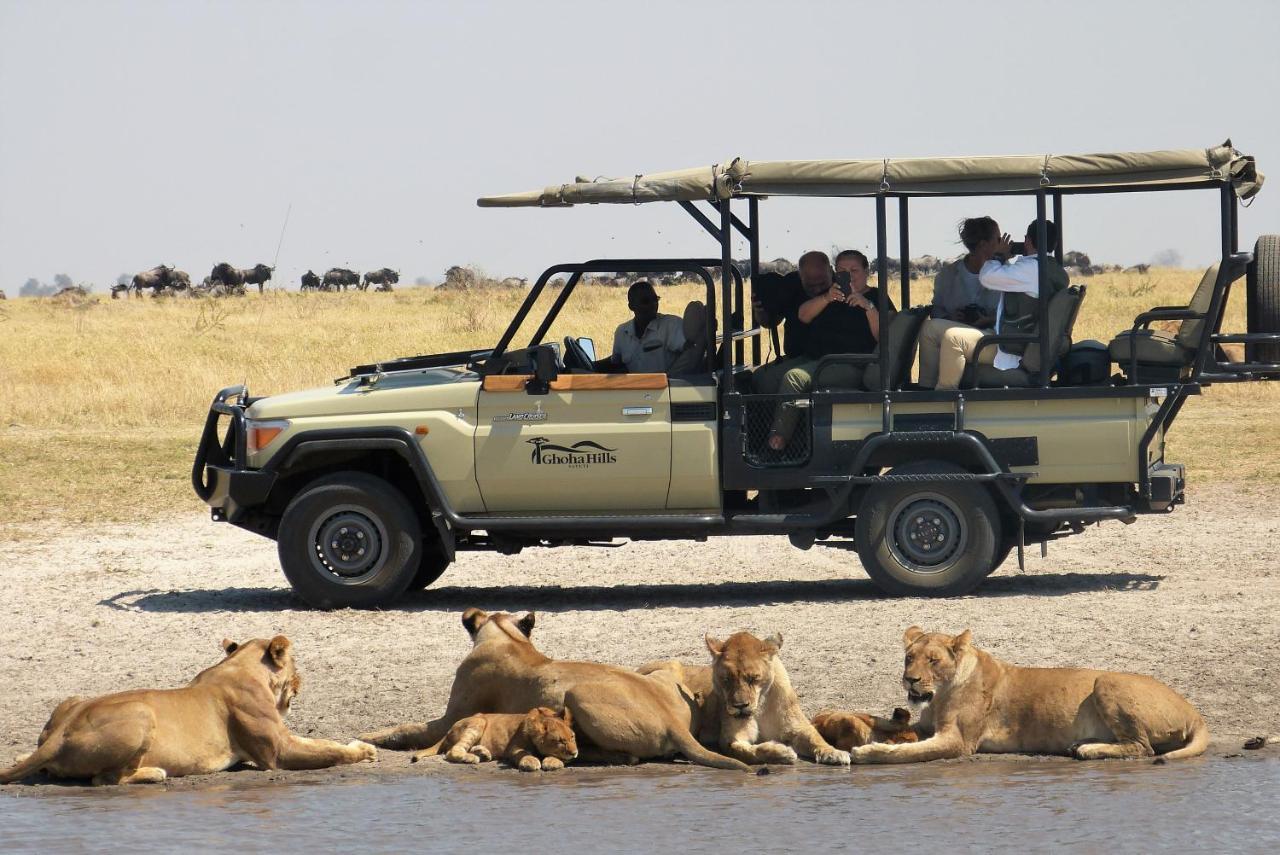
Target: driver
(649,342)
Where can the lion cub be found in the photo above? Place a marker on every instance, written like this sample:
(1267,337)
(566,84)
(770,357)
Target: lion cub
(540,739)
(846,730)
(759,715)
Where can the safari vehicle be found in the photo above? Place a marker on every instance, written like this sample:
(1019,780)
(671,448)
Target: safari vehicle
(372,486)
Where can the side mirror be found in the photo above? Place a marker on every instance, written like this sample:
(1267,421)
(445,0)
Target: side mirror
(544,371)
(589,347)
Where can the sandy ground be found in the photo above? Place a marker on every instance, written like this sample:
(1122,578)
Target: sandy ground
(1191,598)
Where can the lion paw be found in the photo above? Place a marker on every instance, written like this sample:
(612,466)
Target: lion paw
(481,752)
(832,757)
(529,764)
(364,749)
(775,752)
(552,764)
(862,754)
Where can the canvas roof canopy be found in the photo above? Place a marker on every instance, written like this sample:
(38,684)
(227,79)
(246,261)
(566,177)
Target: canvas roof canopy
(1135,170)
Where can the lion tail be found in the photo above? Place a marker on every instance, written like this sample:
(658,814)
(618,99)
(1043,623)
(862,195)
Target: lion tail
(33,762)
(1196,744)
(694,752)
(407,737)
(431,750)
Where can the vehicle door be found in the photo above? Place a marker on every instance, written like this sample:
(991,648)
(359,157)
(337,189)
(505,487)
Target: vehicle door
(593,443)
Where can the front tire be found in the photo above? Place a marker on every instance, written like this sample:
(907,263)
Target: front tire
(435,560)
(349,540)
(928,539)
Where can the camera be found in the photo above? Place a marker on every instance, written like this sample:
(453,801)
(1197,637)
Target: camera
(843,282)
(971,313)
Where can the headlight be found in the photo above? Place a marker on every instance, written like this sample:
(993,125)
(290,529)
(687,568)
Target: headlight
(259,434)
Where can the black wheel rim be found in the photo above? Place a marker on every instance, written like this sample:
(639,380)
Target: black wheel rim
(927,533)
(348,545)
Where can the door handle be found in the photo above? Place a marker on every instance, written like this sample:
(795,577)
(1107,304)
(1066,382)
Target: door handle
(637,411)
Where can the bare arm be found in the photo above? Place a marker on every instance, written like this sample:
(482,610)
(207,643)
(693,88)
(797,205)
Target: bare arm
(813,307)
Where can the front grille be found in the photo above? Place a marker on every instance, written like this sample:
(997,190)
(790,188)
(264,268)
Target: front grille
(759,415)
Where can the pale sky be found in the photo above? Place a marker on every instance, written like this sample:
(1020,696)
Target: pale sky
(135,133)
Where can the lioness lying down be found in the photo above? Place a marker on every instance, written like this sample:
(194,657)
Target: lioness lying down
(540,739)
(230,713)
(972,702)
(748,706)
(620,715)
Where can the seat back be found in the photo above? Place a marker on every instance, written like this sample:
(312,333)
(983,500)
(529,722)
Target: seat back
(1064,308)
(1189,331)
(693,359)
(900,338)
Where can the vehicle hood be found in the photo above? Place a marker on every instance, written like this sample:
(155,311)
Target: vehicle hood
(398,392)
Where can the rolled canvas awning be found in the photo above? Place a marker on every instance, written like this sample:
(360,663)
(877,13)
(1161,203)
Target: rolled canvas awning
(1137,170)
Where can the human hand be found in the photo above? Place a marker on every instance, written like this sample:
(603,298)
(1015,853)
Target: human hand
(1004,246)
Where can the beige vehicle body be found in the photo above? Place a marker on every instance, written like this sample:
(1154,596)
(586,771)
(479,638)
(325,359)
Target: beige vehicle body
(371,487)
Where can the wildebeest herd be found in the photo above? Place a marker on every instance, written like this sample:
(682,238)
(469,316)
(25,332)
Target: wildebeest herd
(226,280)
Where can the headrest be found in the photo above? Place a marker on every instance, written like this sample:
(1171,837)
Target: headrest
(695,320)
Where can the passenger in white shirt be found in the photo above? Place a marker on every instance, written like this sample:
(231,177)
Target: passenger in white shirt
(1018,280)
(649,342)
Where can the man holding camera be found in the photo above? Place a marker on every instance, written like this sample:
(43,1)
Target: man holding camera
(832,312)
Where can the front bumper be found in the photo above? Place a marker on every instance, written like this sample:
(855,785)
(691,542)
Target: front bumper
(217,474)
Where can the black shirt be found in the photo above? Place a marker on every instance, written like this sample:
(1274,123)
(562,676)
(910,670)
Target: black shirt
(839,328)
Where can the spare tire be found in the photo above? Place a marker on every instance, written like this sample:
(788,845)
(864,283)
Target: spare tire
(1264,296)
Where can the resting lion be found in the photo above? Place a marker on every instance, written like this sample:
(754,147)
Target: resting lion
(230,713)
(972,702)
(621,715)
(541,739)
(846,730)
(759,715)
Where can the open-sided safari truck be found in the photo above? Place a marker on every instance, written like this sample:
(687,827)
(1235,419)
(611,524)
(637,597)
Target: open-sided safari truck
(370,487)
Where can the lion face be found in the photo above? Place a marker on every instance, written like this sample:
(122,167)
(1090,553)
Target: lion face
(551,734)
(932,662)
(742,669)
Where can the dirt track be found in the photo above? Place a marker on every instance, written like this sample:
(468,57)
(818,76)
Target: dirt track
(1191,598)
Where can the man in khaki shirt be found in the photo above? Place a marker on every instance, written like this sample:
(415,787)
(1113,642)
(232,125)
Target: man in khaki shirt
(649,342)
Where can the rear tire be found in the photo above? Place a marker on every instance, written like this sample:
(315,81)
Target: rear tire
(936,539)
(350,540)
(1264,289)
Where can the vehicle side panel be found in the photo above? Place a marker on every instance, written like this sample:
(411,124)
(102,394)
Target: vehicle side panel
(1086,440)
(695,470)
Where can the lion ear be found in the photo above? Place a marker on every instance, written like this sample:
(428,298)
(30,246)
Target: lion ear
(229,646)
(715,645)
(279,650)
(526,624)
(774,641)
(472,618)
(568,717)
(909,637)
(962,641)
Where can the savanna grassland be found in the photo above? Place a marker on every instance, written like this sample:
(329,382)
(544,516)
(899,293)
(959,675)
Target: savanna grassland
(101,403)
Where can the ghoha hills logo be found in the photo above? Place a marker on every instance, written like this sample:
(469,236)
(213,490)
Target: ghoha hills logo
(579,455)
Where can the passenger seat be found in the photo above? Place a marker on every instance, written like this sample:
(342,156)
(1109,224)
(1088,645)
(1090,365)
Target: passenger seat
(1064,308)
(693,359)
(1163,357)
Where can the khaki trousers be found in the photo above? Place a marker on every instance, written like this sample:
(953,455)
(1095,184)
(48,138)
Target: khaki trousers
(794,376)
(945,348)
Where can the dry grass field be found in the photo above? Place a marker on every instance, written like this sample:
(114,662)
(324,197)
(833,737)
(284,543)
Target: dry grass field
(101,403)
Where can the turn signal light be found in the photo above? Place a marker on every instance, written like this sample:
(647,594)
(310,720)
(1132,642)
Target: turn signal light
(258,435)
